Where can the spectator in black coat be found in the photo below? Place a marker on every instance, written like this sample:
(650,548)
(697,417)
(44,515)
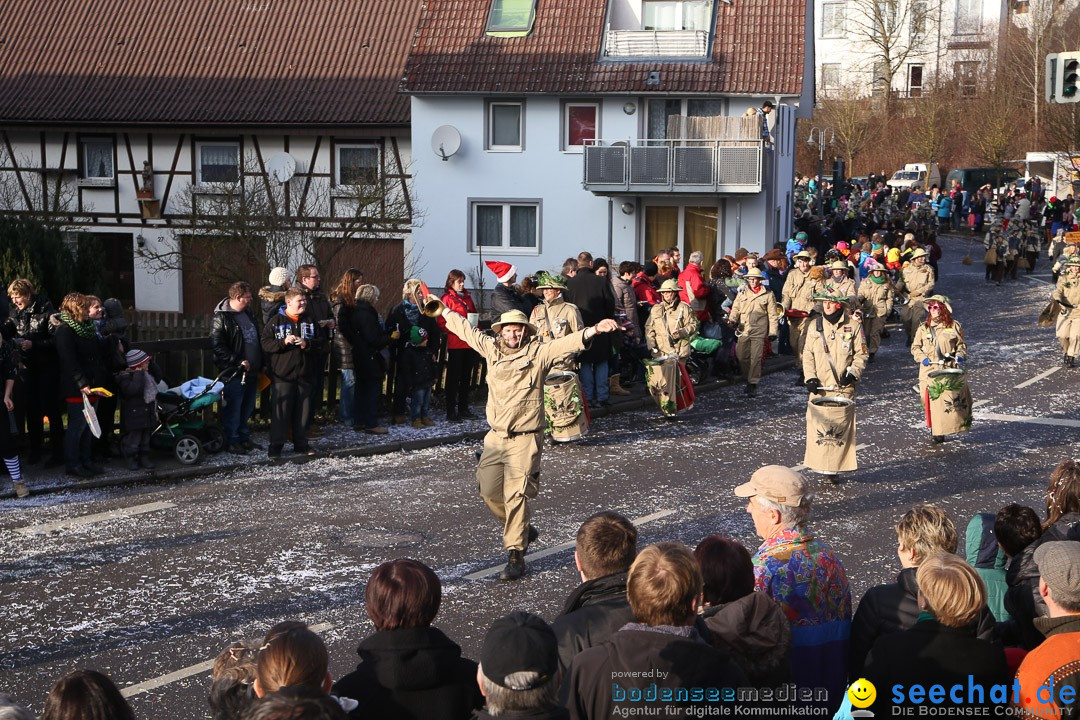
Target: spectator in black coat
(366,335)
(27,324)
(81,368)
(309,281)
(418,373)
(606,547)
(941,647)
(234,339)
(112,331)
(1015,528)
(922,532)
(138,395)
(409,669)
(596,301)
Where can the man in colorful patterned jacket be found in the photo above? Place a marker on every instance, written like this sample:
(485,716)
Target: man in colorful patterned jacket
(802,574)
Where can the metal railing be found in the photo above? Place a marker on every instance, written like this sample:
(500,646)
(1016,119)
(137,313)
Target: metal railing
(656,43)
(706,166)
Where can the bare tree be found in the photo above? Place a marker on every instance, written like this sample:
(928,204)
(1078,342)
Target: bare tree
(28,190)
(894,32)
(851,118)
(257,220)
(935,117)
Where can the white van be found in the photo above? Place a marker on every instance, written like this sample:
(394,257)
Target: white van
(916,174)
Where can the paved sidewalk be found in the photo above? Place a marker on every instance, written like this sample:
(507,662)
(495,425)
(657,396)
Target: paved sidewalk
(337,441)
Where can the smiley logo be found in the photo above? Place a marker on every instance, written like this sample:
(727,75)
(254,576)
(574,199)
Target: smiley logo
(862,693)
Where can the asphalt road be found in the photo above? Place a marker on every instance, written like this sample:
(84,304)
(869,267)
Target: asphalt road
(147,582)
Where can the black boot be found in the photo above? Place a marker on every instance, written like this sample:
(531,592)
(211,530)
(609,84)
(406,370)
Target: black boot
(938,439)
(515,566)
(751,389)
(533,536)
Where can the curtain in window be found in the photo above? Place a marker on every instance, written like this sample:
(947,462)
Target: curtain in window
(659,110)
(700,234)
(968,17)
(522,226)
(661,229)
(220,163)
(506,125)
(704,108)
(489,225)
(581,124)
(98,159)
(358,165)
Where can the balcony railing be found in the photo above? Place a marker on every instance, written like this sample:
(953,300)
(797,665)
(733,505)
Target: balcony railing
(673,166)
(656,43)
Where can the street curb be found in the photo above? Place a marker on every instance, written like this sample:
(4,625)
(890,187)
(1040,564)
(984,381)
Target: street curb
(362,450)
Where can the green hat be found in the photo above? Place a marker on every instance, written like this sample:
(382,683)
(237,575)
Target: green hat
(801,236)
(803,255)
(754,273)
(1072,262)
(514,317)
(545,280)
(918,254)
(417,335)
(941,299)
(670,285)
(838,265)
(842,299)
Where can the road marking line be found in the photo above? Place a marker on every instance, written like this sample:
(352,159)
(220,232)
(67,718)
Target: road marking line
(187,672)
(562,547)
(980,403)
(1038,279)
(1037,378)
(1060,422)
(46,528)
(800,467)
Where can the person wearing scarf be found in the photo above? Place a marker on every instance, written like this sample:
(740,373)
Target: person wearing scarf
(876,298)
(79,350)
(399,323)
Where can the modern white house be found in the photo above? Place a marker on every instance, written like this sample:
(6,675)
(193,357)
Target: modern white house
(541,129)
(121,118)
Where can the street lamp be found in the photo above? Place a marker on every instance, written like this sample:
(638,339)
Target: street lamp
(817,137)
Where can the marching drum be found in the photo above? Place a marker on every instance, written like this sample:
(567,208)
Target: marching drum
(830,434)
(948,401)
(669,384)
(564,407)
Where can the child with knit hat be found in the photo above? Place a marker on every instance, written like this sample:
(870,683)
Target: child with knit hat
(138,398)
(418,370)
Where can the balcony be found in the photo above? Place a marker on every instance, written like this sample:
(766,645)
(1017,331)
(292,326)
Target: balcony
(672,166)
(623,44)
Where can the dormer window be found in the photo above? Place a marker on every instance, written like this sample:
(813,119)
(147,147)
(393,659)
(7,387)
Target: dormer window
(676,14)
(659,29)
(511,18)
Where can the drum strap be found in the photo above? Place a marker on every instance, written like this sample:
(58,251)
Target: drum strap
(547,319)
(825,347)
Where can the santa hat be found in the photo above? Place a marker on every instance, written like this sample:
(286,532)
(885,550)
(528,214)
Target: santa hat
(503,271)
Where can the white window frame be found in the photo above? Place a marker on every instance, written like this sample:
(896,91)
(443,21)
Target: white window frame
(489,122)
(828,31)
(505,248)
(85,178)
(966,90)
(338,164)
(564,141)
(914,91)
(832,67)
(199,145)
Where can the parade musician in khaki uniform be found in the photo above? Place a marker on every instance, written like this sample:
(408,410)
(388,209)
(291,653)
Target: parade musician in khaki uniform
(1067,293)
(918,279)
(838,284)
(671,324)
(834,356)
(509,469)
(555,318)
(798,301)
(876,294)
(939,344)
(756,312)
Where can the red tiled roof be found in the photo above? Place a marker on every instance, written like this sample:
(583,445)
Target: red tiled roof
(228,62)
(758,49)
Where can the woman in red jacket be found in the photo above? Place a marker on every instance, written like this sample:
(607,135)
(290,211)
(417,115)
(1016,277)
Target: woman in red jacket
(460,358)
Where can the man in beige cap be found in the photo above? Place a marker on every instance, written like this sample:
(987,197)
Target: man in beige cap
(918,282)
(509,468)
(1053,664)
(755,316)
(802,574)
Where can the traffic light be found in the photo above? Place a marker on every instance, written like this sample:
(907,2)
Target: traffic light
(1069,74)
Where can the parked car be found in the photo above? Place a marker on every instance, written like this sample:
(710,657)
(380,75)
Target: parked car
(971,179)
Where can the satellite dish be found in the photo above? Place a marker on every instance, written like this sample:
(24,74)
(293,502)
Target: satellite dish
(445,141)
(281,167)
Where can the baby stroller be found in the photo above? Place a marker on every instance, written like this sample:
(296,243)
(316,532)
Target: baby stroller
(181,428)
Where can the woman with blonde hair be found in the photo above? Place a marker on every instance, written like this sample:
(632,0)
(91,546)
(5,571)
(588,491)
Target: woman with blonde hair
(342,300)
(81,368)
(941,648)
(366,335)
(400,321)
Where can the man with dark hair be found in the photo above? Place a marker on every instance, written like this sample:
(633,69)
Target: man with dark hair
(519,669)
(569,267)
(1016,528)
(659,653)
(234,338)
(606,547)
(596,301)
(309,281)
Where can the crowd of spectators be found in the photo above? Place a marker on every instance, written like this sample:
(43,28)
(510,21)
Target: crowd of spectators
(667,626)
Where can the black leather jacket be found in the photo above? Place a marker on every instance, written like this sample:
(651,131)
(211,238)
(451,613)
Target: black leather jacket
(32,323)
(226,340)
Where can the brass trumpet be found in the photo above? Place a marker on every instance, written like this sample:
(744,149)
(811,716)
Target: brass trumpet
(432,307)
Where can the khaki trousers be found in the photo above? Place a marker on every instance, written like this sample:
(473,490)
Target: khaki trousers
(797,328)
(749,350)
(509,475)
(912,315)
(872,327)
(1068,333)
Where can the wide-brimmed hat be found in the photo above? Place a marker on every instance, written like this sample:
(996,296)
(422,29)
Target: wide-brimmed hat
(842,299)
(918,254)
(876,267)
(547,281)
(803,255)
(939,299)
(777,483)
(514,317)
(1072,262)
(838,265)
(754,273)
(670,285)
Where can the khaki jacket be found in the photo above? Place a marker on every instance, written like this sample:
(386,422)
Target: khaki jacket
(918,281)
(847,348)
(515,378)
(669,329)
(757,313)
(843,288)
(798,291)
(936,341)
(555,320)
(1068,289)
(877,300)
